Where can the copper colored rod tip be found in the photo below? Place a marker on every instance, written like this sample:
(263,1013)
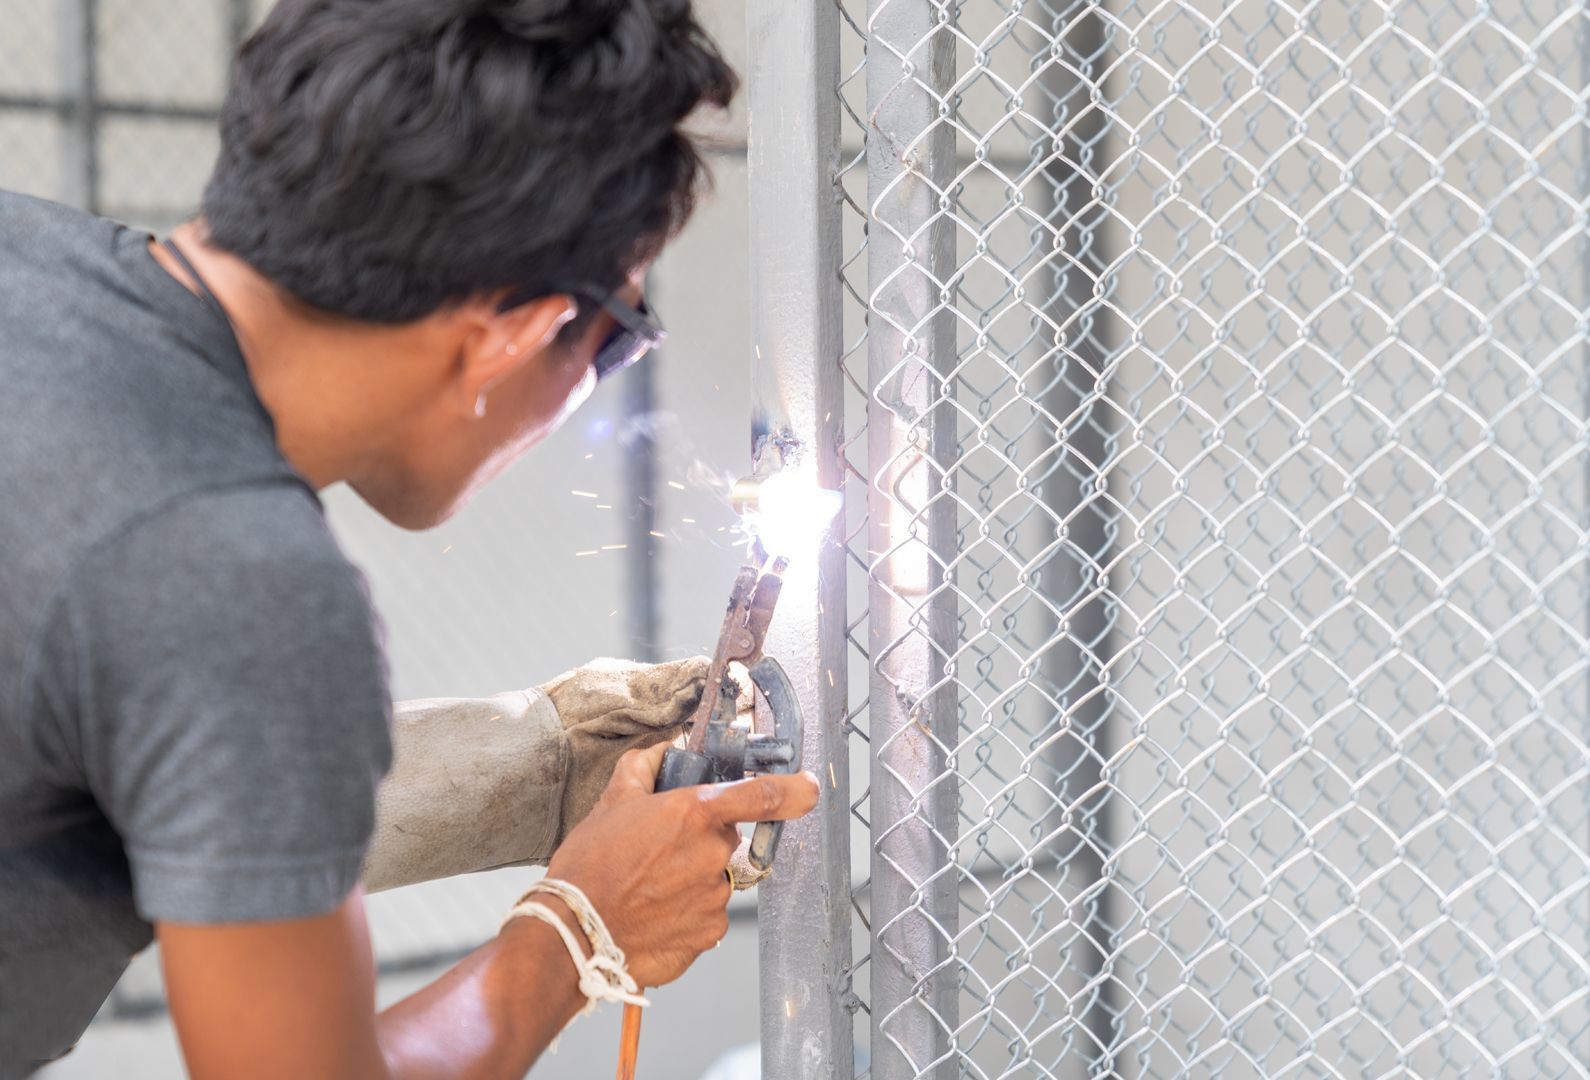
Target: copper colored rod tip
(629,1043)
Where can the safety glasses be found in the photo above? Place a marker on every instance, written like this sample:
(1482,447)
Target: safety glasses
(637,331)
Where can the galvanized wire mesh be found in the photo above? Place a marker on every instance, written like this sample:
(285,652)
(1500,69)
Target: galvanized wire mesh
(1220,486)
(112,104)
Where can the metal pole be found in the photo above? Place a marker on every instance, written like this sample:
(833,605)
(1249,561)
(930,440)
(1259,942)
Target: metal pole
(640,487)
(804,909)
(911,537)
(80,85)
(1078,829)
(239,21)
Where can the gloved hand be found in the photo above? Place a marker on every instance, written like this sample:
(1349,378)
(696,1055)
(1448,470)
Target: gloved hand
(478,783)
(610,706)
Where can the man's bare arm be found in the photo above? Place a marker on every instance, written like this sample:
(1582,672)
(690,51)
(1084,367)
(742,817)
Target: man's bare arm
(296,998)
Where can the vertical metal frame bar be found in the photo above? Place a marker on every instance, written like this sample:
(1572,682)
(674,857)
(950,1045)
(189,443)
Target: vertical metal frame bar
(640,491)
(80,87)
(641,458)
(913,717)
(804,908)
(1073,581)
(239,21)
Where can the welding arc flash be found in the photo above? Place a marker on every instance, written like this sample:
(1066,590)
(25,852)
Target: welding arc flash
(793,512)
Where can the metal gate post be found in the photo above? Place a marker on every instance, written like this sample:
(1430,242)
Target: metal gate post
(793,154)
(80,86)
(911,540)
(1078,832)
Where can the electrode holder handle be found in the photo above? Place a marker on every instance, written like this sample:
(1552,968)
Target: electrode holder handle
(729,753)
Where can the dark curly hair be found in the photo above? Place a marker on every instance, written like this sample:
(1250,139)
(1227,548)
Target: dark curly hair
(383,158)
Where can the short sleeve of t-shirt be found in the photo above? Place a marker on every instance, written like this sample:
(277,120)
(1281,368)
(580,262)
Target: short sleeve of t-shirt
(232,705)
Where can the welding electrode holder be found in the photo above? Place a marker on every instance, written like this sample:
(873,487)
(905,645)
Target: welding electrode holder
(729,753)
(718,750)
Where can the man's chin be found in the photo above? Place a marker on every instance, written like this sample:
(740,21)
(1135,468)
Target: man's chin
(410,512)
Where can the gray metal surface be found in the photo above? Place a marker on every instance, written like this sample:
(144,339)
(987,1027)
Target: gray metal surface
(804,908)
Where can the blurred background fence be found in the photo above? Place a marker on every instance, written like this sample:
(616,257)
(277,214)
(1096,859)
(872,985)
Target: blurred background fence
(1219,449)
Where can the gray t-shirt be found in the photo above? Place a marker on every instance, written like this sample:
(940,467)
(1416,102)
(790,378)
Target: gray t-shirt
(193,701)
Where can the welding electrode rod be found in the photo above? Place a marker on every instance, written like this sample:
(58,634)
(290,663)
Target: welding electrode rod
(629,1043)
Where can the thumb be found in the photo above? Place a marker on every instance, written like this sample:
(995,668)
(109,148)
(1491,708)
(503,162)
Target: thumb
(635,774)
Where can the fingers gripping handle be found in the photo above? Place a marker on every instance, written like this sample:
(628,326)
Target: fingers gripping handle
(728,754)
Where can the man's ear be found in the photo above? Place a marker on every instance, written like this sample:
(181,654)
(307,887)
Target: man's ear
(505,340)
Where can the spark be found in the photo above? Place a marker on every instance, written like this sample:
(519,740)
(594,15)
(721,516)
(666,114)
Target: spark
(833,781)
(676,484)
(657,534)
(758,352)
(446,549)
(614,547)
(586,494)
(610,614)
(604,506)
(582,554)
(688,521)
(789,1009)
(588,457)
(830,677)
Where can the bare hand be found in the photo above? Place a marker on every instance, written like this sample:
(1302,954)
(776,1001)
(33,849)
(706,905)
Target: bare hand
(652,864)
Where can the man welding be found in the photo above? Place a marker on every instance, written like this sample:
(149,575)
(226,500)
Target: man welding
(421,247)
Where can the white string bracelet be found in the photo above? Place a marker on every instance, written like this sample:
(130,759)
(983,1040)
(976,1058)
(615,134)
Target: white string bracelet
(585,914)
(603,976)
(606,956)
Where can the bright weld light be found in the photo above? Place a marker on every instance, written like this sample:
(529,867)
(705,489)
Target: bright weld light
(792,512)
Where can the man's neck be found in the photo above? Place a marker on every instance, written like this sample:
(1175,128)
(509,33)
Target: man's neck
(305,366)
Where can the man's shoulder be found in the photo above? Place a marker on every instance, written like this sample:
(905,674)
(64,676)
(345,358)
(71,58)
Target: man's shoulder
(224,589)
(273,528)
(28,222)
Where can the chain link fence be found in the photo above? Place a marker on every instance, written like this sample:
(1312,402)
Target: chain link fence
(111,105)
(1218,462)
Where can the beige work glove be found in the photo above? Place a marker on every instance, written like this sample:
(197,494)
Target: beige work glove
(611,706)
(478,783)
